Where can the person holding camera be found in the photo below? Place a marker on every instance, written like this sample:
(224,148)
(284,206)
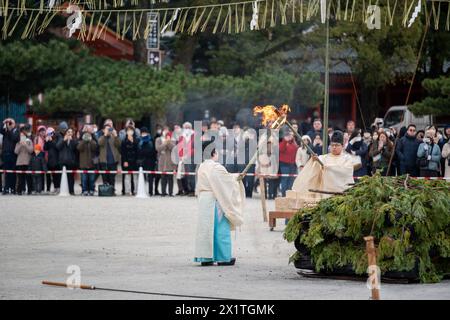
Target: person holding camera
(10,138)
(87,148)
(429,156)
(23,150)
(109,156)
(67,147)
(164,146)
(53,158)
(129,153)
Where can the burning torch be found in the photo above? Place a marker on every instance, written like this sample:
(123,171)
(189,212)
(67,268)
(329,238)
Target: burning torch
(276,118)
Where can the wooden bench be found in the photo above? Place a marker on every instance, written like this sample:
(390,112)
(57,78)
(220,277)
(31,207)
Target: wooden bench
(274,215)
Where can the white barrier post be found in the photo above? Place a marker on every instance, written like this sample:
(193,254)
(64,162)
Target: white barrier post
(64,188)
(141,190)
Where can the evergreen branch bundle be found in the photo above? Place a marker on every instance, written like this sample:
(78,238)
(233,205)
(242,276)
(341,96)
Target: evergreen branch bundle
(410,222)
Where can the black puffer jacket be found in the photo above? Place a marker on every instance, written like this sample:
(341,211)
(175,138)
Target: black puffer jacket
(67,152)
(53,152)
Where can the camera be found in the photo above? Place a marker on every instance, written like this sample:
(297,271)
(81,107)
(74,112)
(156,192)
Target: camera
(110,129)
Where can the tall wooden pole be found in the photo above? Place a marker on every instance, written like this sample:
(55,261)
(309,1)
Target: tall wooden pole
(326,104)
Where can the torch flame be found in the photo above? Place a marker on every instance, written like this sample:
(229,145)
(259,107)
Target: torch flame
(270,113)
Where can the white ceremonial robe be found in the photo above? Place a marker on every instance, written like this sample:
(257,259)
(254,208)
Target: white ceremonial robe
(216,184)
(334,176)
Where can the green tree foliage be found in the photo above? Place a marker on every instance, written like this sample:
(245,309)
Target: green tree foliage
(410,221)
(438,101)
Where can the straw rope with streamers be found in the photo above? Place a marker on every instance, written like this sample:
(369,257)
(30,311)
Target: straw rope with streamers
(233,17)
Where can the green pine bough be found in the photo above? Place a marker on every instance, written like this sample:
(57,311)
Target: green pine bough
(409,218)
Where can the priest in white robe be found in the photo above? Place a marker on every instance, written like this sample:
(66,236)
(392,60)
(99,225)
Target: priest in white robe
(220,199)
(336,175)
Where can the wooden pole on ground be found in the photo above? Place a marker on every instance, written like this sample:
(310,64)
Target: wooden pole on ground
(262,187)
(373,268)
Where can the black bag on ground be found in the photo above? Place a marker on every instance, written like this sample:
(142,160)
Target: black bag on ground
(105,190)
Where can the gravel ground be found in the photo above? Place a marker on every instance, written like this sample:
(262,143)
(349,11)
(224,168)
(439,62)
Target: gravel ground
(147,245)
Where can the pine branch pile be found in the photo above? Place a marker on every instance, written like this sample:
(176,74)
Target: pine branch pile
(410,220)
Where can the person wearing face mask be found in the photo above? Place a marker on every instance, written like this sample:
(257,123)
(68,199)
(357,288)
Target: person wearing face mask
(24,149)
(87,148)
(109,154)
(129,152)
(429,156)
(406,151)
(380,152)
(11,137)
(357,147)
(157,177)
(185,150)
(147,157)
(164,146)
(67,148)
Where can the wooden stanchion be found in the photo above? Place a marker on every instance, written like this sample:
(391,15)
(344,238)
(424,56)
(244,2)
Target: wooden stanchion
(373,268)
(262,186)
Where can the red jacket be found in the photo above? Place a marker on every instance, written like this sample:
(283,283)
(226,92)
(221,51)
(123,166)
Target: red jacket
(288,151)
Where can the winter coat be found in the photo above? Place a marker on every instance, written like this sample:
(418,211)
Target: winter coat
(288,151)
(146,153)
(407,151)
(24,153)
(302,157)
(164,149)
(1,148)
(52,151)
(446,156)
(37,162)
(129,153)
(67,152)
(384,154)
(87,152)
(360,149)
(114,143)
(10,139)
(434,151)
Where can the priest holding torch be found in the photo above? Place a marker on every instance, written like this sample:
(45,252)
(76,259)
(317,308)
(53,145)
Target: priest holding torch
(220,198)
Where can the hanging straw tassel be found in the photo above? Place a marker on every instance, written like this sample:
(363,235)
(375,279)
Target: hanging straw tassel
(301,11)
(184,21)
(103,26)
(217,21)
(225,22)
(230,19)
(198,22)
(272,18)
(137,35)
(205,24)
(6,22)
(352,14)
(243,18)
(447,25)
(263,24)
(293,11)
(15,25)
(177,26)
(118,25)
(27,26)
(437,16)
(194,20)
(236,20)
(91,25)
(94,36)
